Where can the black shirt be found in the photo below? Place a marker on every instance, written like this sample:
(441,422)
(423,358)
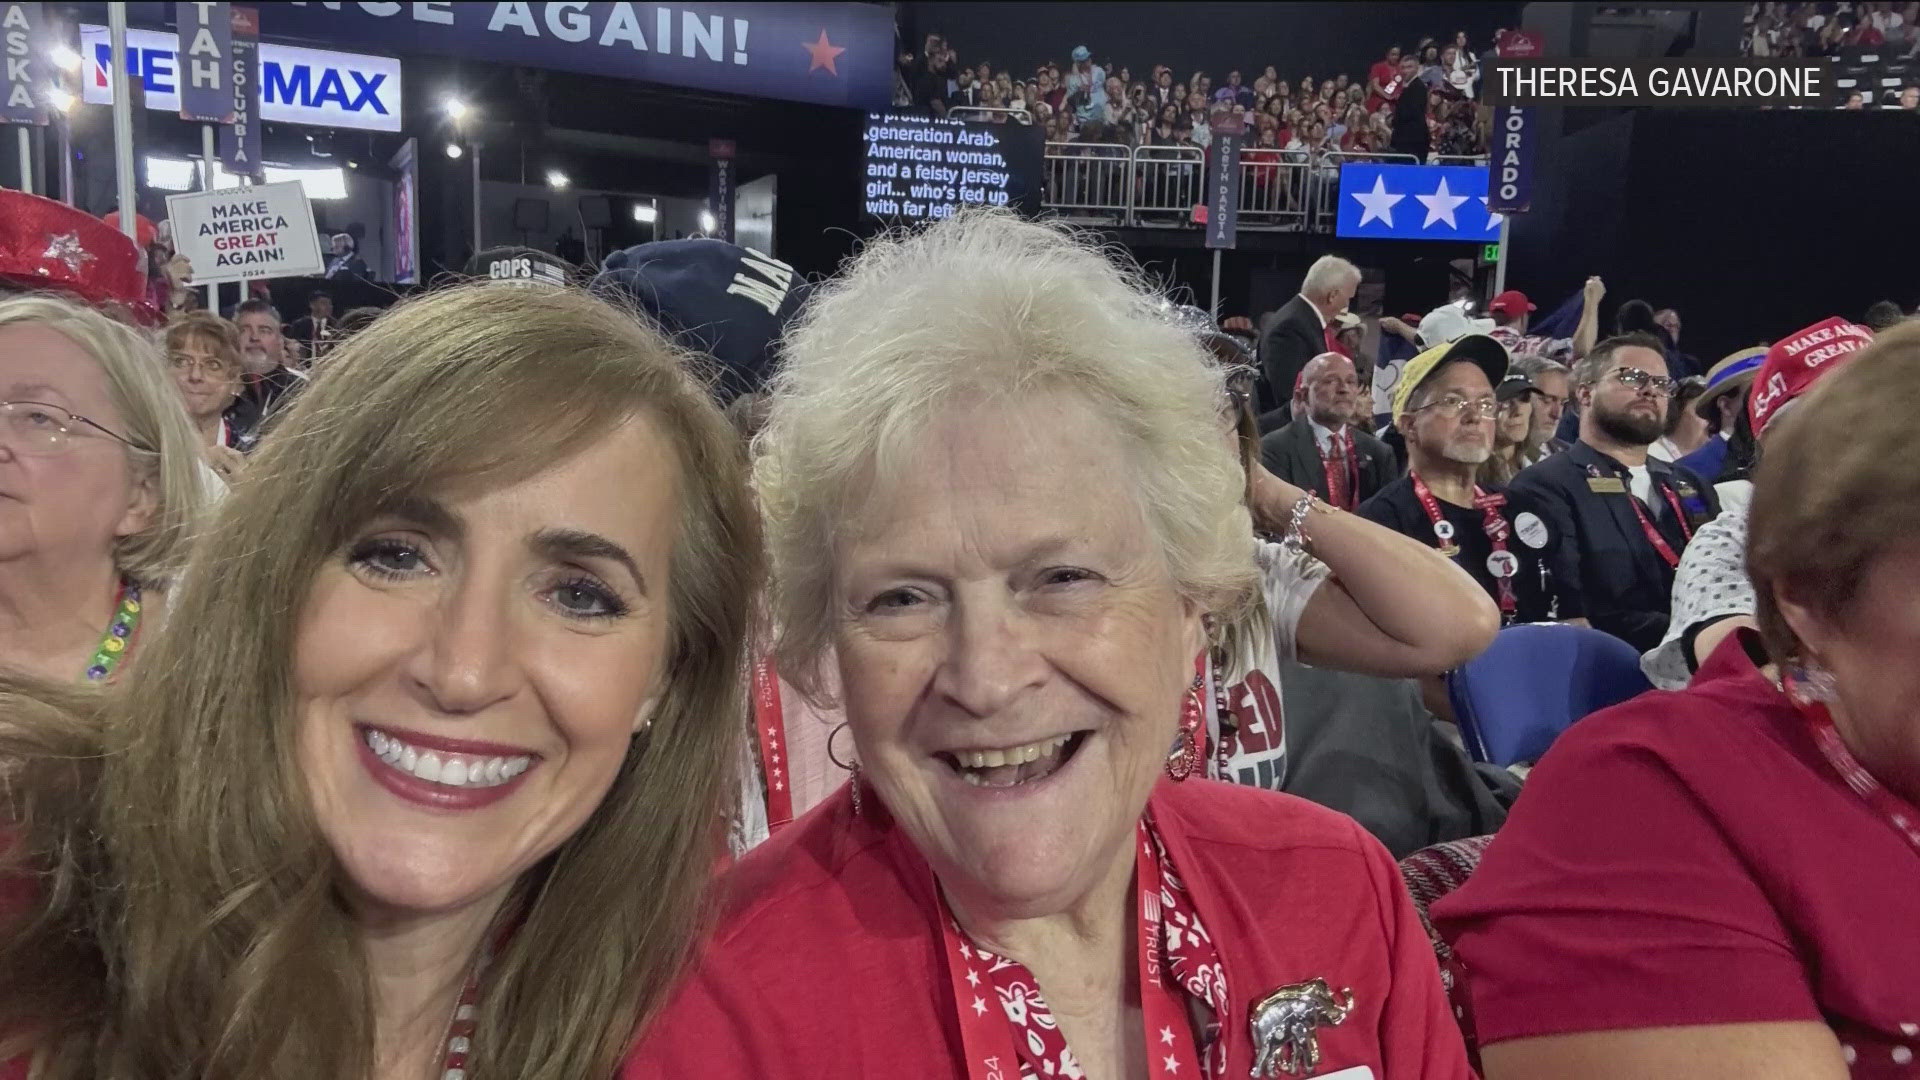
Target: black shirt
(1398,508)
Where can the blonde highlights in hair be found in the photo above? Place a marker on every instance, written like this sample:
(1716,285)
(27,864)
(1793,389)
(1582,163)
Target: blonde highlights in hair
(190,922)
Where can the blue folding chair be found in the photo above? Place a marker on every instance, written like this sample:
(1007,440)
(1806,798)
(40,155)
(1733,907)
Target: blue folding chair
(1533,682)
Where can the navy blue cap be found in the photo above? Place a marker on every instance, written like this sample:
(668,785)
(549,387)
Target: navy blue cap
(713,297)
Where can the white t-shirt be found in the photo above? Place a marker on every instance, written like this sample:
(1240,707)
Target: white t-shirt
(1257,750)
(1640,482)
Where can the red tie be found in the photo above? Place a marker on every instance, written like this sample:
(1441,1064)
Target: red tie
(1334,463)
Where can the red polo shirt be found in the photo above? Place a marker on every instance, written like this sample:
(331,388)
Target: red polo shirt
(827,963)
(1692,858)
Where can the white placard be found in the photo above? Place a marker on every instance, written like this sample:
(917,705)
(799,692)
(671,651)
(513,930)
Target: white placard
(252,232)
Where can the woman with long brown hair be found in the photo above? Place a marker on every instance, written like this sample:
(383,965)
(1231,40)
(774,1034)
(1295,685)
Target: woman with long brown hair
(426,772)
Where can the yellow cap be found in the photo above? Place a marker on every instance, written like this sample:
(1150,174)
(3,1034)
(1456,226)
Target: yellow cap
(1490,355)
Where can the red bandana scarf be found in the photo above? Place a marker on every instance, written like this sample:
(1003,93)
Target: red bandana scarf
(1186,960)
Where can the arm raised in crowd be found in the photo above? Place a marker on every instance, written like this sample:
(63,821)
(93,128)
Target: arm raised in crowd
(1395,607)
(1587,331)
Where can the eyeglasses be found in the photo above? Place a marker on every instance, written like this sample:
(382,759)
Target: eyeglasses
(1461,408)
(40,429)
(212,365)
(1637,380)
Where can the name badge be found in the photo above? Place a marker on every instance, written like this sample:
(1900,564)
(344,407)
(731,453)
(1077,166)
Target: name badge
(1606,485)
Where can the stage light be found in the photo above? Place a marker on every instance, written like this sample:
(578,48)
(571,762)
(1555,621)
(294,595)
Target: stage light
(65,58)
(645,213)
(61,99)
(556,179)
(457,109)
(453,150)
(708,222)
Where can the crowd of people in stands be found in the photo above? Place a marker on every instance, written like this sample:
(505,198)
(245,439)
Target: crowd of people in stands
(1053,675)
(1785,29)
(1417,100)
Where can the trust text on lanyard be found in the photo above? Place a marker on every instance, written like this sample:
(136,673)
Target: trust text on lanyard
(1502,564)
(770,727)
(986,1036)
(1903,816)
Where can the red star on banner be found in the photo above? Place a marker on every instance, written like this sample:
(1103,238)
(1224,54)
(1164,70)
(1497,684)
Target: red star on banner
(823,53)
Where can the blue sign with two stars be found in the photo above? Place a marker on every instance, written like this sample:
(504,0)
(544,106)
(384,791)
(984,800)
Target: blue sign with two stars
(1415,202)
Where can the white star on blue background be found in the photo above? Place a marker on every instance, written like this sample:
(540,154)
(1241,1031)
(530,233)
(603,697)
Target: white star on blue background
(1453,198)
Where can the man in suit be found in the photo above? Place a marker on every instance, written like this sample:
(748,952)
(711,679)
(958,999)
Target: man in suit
(1410,132)
(1322,451)
(1621,518)
(1302,328)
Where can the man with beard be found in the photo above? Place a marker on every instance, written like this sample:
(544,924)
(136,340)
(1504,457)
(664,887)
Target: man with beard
(1622,519)
(1322,451)
(263,353)
(1444,404)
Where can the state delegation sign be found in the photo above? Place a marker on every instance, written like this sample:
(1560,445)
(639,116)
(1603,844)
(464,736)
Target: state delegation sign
(250,232)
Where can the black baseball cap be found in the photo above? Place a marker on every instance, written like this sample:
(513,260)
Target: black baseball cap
(519,266)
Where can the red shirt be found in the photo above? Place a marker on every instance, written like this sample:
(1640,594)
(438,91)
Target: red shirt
(1381,72)
(1692,858)
(827,963)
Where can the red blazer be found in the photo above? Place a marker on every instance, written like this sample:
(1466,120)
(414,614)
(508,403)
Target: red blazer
(827,964)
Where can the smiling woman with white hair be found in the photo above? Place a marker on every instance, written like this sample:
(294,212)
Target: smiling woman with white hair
(995,493)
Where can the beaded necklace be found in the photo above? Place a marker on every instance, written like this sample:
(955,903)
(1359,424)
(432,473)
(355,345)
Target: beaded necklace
(119,636)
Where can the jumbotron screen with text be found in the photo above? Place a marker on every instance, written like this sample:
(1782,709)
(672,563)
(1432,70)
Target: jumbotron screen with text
(921,169)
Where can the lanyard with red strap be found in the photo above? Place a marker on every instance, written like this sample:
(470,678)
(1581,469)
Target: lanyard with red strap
(768,723)
(1502,564)
(986,1035)
(1653,535)
(1902,815)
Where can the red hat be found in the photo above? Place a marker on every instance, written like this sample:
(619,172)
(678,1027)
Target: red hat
(1797,361)
(1510,303)
(49,245)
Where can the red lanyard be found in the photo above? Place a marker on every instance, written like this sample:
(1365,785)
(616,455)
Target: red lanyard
(774,768)
(986,1035)
(1904,818)
(1653,535)
(1502,564)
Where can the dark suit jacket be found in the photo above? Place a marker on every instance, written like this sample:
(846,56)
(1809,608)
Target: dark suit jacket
(1292,455)
(1410,132)
(1609,573)
(1290,337)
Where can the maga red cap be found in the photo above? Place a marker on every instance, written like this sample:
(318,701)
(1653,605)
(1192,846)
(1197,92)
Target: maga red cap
(1510,303)
(49,245)
(1797,361)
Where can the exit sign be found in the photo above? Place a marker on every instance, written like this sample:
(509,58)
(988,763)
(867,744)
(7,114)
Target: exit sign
(1490,254)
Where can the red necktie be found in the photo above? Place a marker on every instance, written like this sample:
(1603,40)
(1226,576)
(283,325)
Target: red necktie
(1334,463)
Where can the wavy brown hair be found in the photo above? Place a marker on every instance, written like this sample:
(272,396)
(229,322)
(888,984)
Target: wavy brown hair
(185,918)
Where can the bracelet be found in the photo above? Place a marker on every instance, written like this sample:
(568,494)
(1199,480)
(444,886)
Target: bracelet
(1296,538)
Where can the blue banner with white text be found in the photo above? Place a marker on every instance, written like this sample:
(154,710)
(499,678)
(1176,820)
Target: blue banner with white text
(1415,202)
(823,53)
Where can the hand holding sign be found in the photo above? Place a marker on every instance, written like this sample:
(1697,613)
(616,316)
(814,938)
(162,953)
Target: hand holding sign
(235,233)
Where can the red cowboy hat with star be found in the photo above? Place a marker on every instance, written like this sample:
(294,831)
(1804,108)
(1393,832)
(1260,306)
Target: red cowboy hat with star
(52,246)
